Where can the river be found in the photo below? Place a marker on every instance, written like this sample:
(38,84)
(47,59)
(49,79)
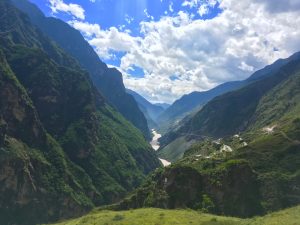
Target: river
(155,145)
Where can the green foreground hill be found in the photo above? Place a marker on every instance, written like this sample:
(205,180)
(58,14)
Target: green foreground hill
(152,216)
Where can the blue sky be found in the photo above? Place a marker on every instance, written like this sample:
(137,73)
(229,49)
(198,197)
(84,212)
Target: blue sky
(168,48)
(116,13)
(126,14)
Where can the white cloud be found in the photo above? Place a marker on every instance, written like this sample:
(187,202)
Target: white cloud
(128,19)
(245,67)
(73,9)
(171,7)
(198,3)
(199,54)
(89,30)
(191,3)
(203,10)
(275,6)
(105,41)
(147,14)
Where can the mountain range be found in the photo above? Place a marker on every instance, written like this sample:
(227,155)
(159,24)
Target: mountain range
(245,157)
(151,111)
(193,102)
(73,138)
(63,147)
(225,114)
(108,81)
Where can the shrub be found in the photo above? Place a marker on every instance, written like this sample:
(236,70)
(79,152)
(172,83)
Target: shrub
(118,217)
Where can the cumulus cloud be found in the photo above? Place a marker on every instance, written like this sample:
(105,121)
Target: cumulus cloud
(180,54)
(106,41)
(72,9)
(275,6)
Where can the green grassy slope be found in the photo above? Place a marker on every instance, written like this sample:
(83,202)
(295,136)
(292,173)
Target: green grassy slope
(152,216)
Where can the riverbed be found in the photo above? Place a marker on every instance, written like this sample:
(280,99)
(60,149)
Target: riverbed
(155,145)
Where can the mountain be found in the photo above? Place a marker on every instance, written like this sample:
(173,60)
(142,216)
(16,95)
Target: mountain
(247,161)
(108,81)
(163,105)
(230,113)
(193,102)
(63,148)
(190,103)
(151,111)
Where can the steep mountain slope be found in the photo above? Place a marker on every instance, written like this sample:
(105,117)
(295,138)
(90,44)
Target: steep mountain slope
(108,80)
(32,163)
(63,148)
(243,175)
(233,112)
(163,105)
(194,101)
(150,110)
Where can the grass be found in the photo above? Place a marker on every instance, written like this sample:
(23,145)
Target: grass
(151,216)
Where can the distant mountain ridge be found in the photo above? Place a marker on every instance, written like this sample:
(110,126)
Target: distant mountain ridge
(164,105)
(187,103)
(108,81)
(195,100)
(231,112)
(151,111)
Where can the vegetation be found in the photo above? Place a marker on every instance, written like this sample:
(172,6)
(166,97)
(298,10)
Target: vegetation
(242,175)
(236,111)
(63,148)
(192,102)
(108,81)
(152,216)
(175,150)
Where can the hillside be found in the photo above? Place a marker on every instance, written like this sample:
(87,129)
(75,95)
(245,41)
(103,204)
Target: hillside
(75,144)
(163,105)
(63,148)
(151,111)
(151,216)
(236,111)
(236,172)
(108,81)
(192,102)
(240,180)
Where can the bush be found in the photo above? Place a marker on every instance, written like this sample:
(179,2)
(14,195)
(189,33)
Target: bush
(118,217)
(207,204)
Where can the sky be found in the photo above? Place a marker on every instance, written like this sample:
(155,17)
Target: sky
(168,48)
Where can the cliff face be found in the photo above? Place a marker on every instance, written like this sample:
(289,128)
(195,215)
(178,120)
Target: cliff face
(63,148)
(31,162)
(231,189)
